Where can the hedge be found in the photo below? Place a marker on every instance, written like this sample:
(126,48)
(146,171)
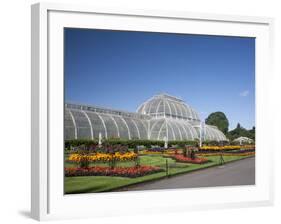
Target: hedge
(130,143)
(181,144)
(78,142)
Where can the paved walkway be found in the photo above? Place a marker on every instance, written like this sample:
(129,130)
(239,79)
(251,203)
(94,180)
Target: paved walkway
(240,172)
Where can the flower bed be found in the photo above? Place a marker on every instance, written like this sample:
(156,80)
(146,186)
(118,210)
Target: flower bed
(226,147)
(107,171)
(103,157)
(228,154)
(182,159)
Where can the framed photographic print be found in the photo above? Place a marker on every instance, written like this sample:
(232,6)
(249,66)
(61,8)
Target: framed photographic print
(154,111)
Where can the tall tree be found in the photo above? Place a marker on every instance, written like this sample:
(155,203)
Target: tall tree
(218,119)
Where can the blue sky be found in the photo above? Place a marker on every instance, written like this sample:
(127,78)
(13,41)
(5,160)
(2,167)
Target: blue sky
(120,70)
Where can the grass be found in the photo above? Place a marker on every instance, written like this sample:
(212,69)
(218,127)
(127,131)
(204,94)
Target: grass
(91,184)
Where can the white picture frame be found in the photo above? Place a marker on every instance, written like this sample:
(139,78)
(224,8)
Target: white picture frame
(48,201)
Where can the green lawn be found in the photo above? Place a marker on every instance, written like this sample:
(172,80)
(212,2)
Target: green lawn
(104,183)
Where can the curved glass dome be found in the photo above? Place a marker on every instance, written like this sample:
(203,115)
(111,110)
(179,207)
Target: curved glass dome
(173,129)
(164,105)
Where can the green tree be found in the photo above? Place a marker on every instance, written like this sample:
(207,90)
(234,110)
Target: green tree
(218,119)
(252,133)
(240,131)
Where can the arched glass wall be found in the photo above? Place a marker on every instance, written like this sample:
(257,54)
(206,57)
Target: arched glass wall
(80,124)
(210,133)
(172,129)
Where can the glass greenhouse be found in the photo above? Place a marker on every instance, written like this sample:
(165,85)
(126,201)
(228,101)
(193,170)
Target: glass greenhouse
(162,116)
(242,140)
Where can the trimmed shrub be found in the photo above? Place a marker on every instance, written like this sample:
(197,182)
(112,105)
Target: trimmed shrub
(211,143)
(79,142)
(182,144)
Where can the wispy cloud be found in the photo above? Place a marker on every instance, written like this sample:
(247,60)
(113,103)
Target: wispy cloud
(244,93)
(203,112)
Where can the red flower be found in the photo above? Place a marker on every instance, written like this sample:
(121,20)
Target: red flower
(117,171)
(181,158)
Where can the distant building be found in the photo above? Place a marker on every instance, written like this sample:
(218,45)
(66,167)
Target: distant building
(242,140)
(162,116)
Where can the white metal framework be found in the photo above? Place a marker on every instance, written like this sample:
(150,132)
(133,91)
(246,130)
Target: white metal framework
(172,107)
(162,116)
